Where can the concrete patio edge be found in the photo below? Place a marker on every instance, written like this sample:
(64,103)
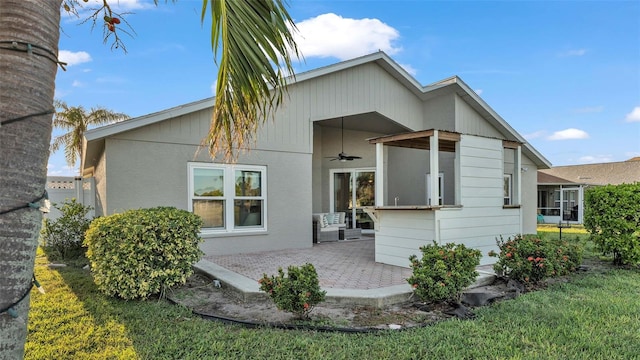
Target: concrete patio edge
(248,289)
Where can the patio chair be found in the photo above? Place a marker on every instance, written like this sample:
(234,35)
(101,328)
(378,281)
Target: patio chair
(327,226)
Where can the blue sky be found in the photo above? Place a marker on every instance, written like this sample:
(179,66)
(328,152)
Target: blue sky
(564,74)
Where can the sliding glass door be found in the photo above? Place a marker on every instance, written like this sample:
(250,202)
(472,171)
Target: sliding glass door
(570,200)
(351,190)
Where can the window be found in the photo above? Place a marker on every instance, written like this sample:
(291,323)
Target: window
(507,189)
(228,198)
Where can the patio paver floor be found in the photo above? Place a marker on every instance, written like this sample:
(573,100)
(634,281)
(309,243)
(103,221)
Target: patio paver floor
(348,264)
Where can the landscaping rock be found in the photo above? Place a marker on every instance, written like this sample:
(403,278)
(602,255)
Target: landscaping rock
(461,312)
(481,296)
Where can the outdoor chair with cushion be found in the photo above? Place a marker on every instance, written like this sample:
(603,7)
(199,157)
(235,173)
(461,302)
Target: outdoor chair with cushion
(326,226)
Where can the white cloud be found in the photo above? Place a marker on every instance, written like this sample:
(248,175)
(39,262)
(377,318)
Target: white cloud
(120,5)
(632,154)
(535,135)
(479,91)
(568,134)
(74,58)
(331,35)
(410,69)
(65,171)
(574,52)
(595,159)
(589,109)
(77,83)
(111,80)
(634,115)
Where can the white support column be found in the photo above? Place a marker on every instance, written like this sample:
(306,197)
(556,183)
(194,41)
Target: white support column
(77,185)
(434,168)
(517,176)
(517,183)
(380,195)
(456,176)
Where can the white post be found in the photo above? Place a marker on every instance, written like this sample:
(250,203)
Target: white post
(517,177)
(380,195)
(434,168)
(77,185)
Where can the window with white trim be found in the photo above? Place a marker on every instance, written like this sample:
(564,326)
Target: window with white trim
(228,198)
(507,189)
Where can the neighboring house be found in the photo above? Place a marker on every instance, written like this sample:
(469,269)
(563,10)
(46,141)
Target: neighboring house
(485,172)
(561,188)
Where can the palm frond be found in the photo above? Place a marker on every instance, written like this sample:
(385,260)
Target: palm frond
(77,121)
(255,42)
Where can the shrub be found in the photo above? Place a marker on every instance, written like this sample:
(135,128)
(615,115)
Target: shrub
(612,217)
(62,238)
(297,292)
(444,271)
(143,252)
(529,259)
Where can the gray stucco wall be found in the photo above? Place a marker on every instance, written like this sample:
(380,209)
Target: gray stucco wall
(143,174)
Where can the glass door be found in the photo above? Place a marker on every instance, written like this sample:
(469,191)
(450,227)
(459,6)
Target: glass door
(570,198)
(353,189)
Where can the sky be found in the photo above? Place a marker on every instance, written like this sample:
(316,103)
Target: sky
(563,74)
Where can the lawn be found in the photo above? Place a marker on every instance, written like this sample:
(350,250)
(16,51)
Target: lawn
(594,315)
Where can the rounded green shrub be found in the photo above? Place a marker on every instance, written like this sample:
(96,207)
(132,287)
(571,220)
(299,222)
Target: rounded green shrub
(530,259)
(612,217)
(143,252)
(444,271)
(297,292)
(62,238)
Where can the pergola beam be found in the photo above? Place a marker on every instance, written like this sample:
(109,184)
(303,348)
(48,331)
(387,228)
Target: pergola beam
(420,140)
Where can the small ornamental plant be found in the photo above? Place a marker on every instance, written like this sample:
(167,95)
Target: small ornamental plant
(443,272)
(62,238)
(297,292)
(530,260)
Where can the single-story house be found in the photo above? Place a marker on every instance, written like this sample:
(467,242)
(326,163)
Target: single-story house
(561,188)
(412,163)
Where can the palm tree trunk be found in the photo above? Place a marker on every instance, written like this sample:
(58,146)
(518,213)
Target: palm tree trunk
(27,87)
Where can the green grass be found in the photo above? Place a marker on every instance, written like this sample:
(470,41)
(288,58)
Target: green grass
(595,315)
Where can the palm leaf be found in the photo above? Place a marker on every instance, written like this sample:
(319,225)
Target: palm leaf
(77,121)
(254,39)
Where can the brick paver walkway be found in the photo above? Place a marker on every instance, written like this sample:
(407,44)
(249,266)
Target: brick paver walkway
(340,265)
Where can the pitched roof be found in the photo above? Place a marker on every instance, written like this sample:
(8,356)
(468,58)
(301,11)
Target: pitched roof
(544,178)
(613,173)
(94,138)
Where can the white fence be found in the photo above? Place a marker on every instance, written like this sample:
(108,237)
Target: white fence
(61,188)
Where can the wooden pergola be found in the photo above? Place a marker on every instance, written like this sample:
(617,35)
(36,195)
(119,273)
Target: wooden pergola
(420,140)
(438,140)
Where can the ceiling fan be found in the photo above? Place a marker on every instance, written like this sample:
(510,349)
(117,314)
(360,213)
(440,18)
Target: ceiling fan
(342,156)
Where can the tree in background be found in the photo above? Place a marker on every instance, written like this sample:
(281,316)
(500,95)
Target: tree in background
(77,120)
(248,89)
